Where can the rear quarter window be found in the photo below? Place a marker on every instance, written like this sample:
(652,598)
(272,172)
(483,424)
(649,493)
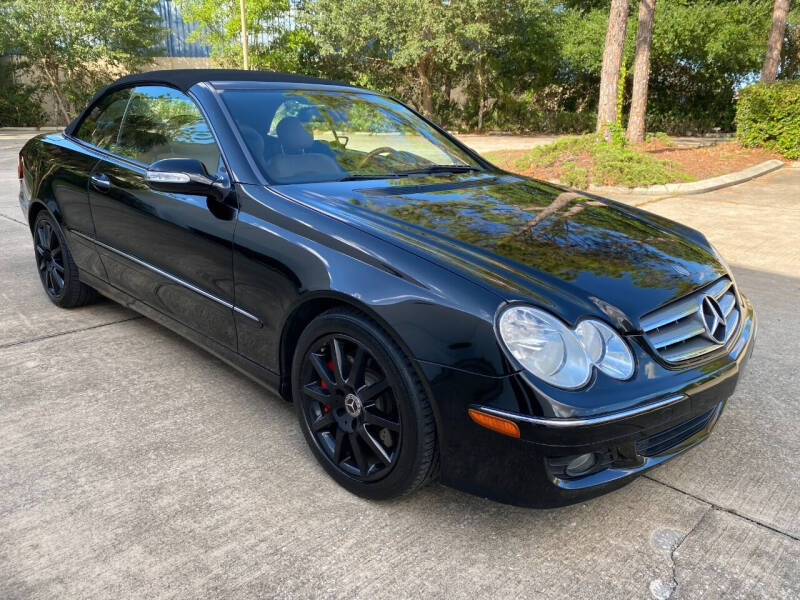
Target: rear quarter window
(101,126)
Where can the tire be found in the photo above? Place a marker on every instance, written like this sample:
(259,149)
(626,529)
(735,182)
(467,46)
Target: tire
(57,270)
(368,422)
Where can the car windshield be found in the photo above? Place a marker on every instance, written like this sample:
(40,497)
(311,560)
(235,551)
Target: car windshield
(302,136)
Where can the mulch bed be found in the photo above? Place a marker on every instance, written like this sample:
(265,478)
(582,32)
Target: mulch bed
(701,163)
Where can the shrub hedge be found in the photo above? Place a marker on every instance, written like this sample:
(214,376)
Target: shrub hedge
(19,104)
(768,115)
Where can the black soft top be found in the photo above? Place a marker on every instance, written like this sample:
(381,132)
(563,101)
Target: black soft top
(183,79)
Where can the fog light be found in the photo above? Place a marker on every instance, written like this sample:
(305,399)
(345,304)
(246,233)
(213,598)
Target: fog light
(581,464)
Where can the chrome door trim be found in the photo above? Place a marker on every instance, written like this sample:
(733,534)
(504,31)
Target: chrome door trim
(170,276)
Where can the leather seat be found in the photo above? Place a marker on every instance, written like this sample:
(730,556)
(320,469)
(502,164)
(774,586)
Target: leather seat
(301,157)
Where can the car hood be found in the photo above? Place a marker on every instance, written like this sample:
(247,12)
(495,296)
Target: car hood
(530,240)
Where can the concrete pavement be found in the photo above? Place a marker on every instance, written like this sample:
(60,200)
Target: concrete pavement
(133,464)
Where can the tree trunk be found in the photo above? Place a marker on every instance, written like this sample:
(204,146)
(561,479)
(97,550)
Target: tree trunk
(641,71)
(612,61)
(55,88)
(775,43)
(481,98)
(425,84)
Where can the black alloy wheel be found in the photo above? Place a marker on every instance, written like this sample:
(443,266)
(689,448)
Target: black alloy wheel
(351,408)
(49,258)
(361,406)
(57,270)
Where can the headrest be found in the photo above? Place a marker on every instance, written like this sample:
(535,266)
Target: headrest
(254,140)
(293,136)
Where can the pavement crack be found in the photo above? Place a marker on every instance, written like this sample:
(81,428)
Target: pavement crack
(13,219)
(69,332)
(673,584)
(725,509)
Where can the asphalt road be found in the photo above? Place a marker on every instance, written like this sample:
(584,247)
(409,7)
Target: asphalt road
(133,464)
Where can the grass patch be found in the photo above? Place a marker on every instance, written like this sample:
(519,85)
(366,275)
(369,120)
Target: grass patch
(583,160)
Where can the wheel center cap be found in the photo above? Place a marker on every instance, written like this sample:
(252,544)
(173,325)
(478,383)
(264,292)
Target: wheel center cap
(352,404)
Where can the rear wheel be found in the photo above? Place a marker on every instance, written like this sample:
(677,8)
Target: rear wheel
(57,271)
(362,407)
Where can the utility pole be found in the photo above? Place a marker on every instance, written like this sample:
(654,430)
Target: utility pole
(243,16)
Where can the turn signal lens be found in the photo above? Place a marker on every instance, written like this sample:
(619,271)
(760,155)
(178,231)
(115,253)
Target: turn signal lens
(497,424)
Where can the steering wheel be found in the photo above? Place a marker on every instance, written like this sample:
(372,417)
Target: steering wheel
(373,153)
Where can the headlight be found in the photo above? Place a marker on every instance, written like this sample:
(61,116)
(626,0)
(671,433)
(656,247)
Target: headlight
(551,351)
(545,346)
(605,348)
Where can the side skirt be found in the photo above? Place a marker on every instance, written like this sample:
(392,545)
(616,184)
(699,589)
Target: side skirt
(262,376)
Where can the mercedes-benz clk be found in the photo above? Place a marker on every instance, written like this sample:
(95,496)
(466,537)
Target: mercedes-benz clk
(429,315)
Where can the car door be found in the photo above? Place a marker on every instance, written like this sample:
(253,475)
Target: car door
(171,251)
(70,161)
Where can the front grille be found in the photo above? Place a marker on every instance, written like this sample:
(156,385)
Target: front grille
(691,326)
(669,438)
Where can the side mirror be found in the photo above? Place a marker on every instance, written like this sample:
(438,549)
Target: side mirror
(185,176)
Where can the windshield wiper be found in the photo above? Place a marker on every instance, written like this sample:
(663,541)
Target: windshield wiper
(421,171)
(441,169)
(362,176)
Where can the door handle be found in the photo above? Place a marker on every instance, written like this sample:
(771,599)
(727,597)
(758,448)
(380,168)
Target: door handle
(100,182)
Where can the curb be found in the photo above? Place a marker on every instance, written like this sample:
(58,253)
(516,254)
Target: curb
(696,187)
(44,128)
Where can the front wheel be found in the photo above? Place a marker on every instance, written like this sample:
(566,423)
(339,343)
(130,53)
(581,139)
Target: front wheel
(362,407)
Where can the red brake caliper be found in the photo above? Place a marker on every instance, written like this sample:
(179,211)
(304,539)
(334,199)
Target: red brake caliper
(325,408)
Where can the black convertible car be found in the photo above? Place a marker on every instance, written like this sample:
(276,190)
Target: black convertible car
(429,315)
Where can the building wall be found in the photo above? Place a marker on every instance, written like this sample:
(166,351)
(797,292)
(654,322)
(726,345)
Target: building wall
(176,45)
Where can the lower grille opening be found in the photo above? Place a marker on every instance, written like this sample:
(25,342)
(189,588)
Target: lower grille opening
(669,438)
(629,455)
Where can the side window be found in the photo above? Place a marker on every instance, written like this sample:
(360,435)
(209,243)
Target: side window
(164,123)
(101,126)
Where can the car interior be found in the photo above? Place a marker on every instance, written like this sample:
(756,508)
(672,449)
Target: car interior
(291,153)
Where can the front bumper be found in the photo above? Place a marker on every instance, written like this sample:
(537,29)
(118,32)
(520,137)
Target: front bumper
(529,471)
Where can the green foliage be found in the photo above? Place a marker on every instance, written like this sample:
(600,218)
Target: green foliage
(608,164)
(575,176)
(768,115)
(617,129)
(520,66)
(19,105)
(701,53)
(660,136)
(424,50)
(71,47)
(273,44)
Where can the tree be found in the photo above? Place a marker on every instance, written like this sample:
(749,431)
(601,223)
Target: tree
(773,56)
(399,45)
(612,63)
(420,50)
(272,42)
(641,71)
(701,54)
(72,47)
(502,49)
